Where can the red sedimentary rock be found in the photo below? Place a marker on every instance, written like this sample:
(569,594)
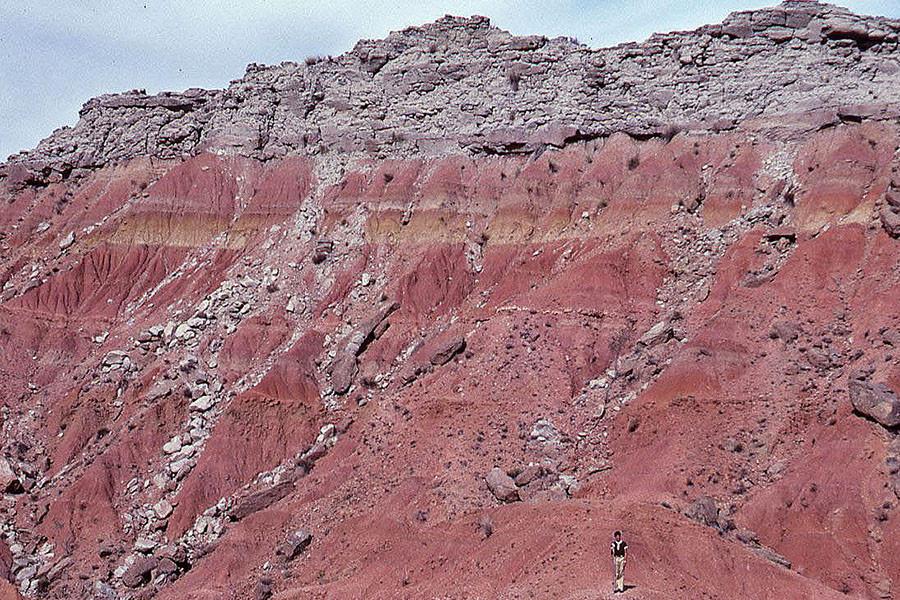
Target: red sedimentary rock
(650,288)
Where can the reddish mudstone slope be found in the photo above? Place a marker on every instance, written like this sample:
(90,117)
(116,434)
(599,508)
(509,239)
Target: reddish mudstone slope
(448,364)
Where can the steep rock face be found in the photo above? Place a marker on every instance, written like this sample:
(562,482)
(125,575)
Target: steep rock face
(608,308)
(462,85)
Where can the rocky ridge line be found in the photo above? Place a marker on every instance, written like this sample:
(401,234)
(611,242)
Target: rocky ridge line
(461,85)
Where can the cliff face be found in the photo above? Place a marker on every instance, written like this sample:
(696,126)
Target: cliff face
(434,317)
(463,86)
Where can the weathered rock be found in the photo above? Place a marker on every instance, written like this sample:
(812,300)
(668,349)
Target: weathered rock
(139,572)
(658,334)
(167,566)
(447,351)
(771,555)
(263,589)
(786,331)
(67,241)
(876,401)
(104,591)
(260,500)
(51,571)
(345,366)
(545,432)
(502,485)
(704,511)
(890,220)
(163,509)
(296,543)
(9,481)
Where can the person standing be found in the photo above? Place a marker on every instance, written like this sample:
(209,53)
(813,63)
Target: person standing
(619,551)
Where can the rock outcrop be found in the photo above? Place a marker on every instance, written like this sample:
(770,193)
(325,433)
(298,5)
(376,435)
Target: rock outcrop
(657,284)
(463,85)
(876,401)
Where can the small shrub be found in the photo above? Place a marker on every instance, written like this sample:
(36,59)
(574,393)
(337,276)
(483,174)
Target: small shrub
(633,163)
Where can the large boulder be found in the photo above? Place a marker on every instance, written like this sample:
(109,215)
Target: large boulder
(345,366)
(296,543)
(139,572)
(658,334)
(502,486)
(447,350)
(704,511)
(890,220)
(876,401)
(9,481)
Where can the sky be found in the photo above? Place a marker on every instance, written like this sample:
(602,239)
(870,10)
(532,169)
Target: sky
(56,55)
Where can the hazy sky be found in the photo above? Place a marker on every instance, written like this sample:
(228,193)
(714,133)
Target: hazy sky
(55,55)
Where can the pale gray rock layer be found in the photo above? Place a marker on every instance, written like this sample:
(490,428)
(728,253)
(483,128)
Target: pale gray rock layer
(460,85)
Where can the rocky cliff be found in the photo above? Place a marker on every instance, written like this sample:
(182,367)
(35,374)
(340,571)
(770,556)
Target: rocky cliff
(460,85)
(433,317)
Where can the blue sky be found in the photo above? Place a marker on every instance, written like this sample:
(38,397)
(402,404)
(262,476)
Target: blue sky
(56,55)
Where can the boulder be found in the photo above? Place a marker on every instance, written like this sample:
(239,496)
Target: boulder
(343,371)
(163,509)
(876,401)
(172,446)
(167,566)
(345,366)
(501,485)
(529,474)
(772,556)
(260,500)
(138,573)
(786,331)
(660,333)
(67,241)
(446,351)
(890,220)
(704,511)
(202,404)
(144,544)
(296,543)
(9,481)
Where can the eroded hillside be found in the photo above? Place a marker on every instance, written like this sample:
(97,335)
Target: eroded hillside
(432,318)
